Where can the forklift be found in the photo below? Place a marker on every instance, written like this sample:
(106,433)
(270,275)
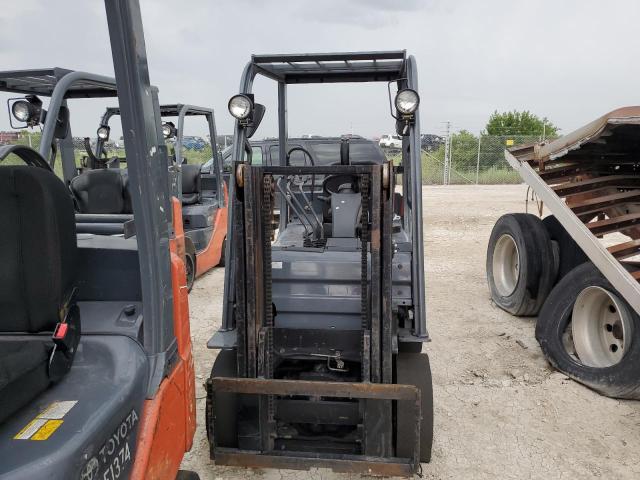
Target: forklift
(96,366)
(324,316)
(202,194)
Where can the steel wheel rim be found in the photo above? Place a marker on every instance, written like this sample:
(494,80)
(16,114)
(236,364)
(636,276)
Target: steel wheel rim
(506,265)
(601,327)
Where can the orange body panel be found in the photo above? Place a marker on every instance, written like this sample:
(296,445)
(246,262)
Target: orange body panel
(210,256)
(168,421)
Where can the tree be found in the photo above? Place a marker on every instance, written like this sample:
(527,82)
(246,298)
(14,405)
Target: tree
(520,123)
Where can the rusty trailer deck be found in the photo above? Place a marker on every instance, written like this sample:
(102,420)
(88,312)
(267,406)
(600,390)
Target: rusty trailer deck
(590,180)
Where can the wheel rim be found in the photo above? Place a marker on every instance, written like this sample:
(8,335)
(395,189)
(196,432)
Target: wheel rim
(601,327)
(506,265)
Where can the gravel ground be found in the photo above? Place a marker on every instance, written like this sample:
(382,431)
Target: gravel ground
(500,410)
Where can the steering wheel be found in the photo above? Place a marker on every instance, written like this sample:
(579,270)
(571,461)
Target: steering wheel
(100,162)
(27,154)
(336,183)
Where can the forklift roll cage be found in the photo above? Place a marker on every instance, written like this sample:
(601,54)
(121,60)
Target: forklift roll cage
(181,111)
(358,67)
(147,168)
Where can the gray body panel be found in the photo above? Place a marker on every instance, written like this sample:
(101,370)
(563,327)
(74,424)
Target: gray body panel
(104,401)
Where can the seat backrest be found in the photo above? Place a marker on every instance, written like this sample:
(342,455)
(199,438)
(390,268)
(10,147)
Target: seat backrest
(191,184)
(38,249)
(99,191)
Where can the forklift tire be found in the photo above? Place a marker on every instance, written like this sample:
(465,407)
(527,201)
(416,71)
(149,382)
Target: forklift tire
(409,347)
(190,266)
(221,416)
(520,264)
(598,369)
(187,475)
(413,369)
(223,252)
(570,254)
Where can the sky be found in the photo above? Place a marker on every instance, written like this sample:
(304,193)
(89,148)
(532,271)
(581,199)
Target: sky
(568,60)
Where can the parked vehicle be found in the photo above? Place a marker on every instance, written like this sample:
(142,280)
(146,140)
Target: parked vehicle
(572,268)
(201,192)
(390,141)
(323,319)
(194,143)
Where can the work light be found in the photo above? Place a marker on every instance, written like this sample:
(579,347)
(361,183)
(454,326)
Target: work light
(103,132)
(25,111)
(240,106)
(407,101)
(169,130)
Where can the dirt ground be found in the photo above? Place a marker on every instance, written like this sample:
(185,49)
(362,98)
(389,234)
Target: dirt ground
(500,410)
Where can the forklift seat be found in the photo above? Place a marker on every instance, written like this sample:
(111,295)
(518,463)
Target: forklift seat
(38,254)
(101,191)
(191,184)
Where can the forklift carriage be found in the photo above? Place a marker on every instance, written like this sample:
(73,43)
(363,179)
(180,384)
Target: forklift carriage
(324,314)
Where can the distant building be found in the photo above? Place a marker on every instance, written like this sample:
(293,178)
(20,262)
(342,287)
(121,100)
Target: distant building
(9,137)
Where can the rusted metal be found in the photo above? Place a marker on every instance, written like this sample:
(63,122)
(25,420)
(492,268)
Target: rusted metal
(260,386)
(600,204)
(615,224)
(617,181)
(388,467)
(365,464)
(625,250)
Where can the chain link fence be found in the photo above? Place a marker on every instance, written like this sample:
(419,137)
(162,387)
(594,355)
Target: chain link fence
(471,159)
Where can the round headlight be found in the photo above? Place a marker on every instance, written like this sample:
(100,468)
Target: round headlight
(22,110)
(168,130)
(103,133)
(240,106)
(407,101)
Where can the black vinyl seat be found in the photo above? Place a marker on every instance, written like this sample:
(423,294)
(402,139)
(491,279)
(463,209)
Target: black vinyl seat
(38,254)
(102,191)
(191,184)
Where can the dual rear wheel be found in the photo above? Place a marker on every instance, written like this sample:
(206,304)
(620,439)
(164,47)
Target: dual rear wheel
(584,327)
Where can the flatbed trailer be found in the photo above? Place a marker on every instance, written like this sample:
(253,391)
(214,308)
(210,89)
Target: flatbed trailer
(590,182)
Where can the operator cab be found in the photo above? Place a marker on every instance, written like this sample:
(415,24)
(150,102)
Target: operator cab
(73,321)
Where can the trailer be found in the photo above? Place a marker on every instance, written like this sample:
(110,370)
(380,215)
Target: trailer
(577,268)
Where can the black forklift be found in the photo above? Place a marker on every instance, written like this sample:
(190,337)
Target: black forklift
(324,316)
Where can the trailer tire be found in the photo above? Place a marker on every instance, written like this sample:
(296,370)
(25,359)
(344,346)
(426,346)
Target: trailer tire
(554,332)
(520,264)
(570,254)
(414,369)
(222,415)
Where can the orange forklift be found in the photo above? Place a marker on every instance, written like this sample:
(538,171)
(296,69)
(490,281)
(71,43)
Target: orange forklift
(201,189)
(96,365)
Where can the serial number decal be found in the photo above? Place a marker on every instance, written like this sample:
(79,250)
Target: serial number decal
(113,459)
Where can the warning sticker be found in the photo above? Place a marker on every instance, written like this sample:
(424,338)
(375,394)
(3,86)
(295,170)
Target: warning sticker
(46,423)
(47,430)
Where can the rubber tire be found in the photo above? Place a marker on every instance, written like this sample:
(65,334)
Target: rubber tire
(190,267)
(223,425)
(537,272)
(414,369)
(619,381)
(570,254)
(223,252)
(187,475)
(409,347)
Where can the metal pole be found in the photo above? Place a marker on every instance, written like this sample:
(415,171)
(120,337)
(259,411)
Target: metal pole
(478,161)
(447,144)
(450,160)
